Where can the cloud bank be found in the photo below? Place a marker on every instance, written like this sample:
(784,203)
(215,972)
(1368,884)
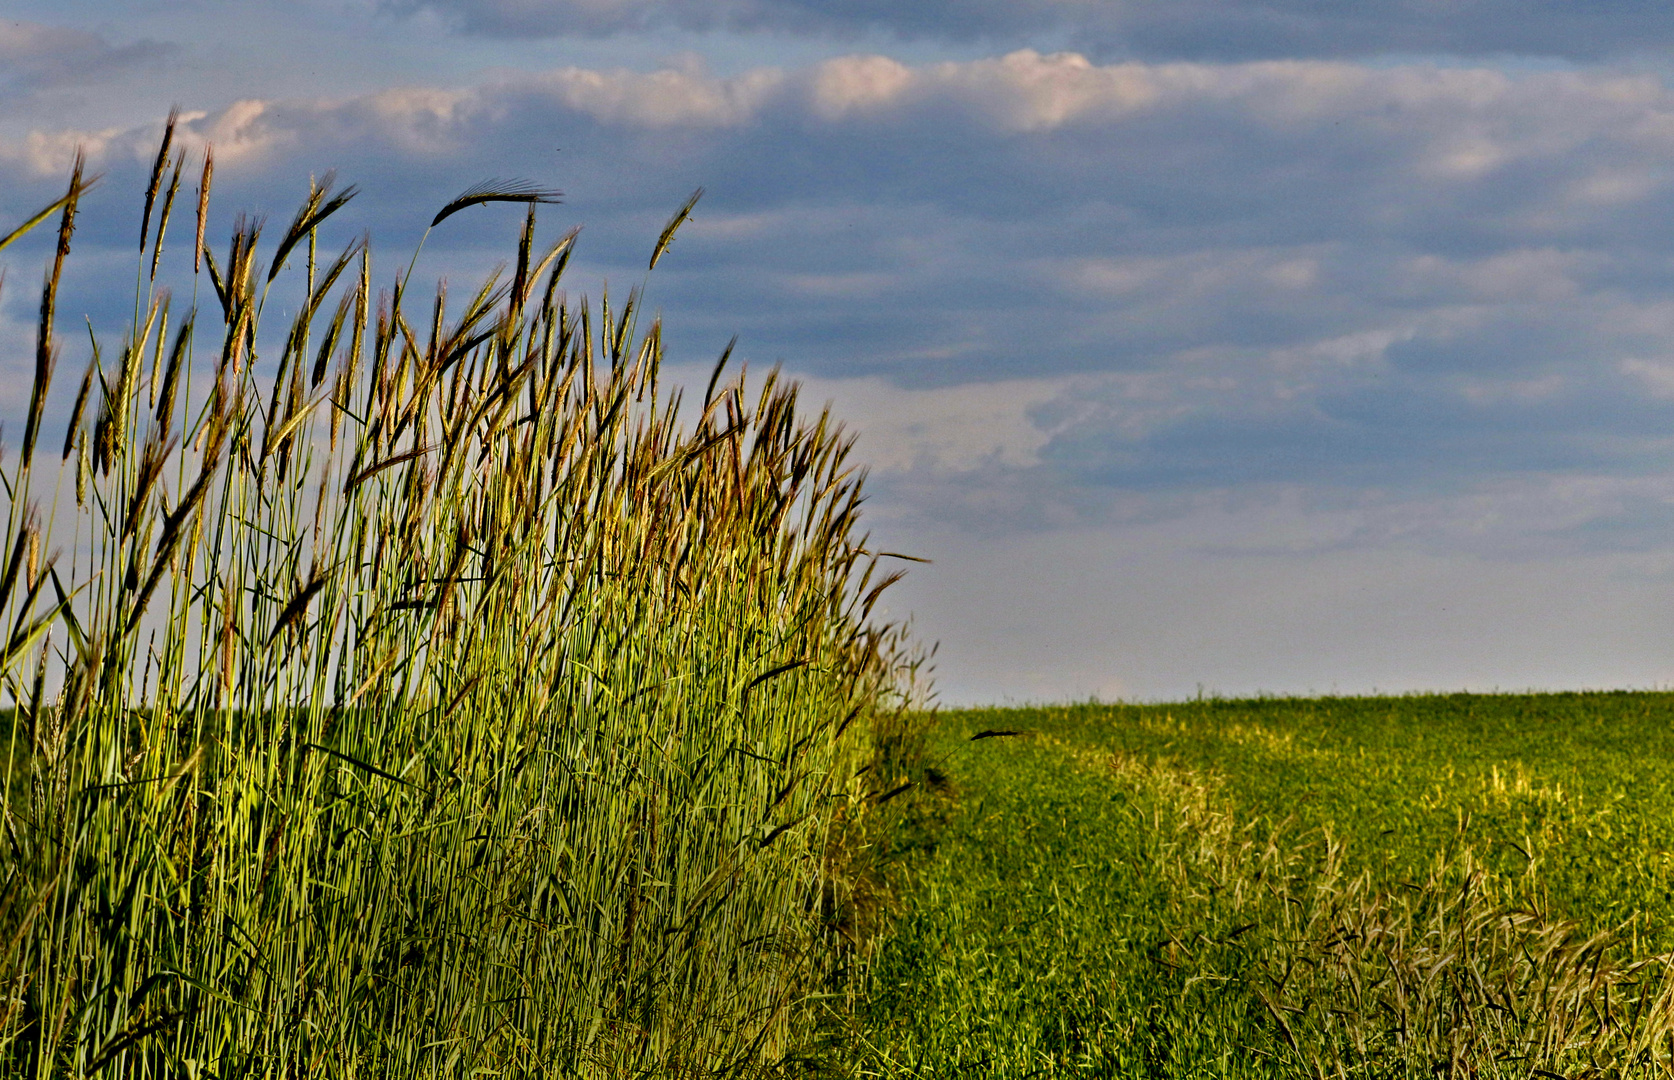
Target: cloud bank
(36,56)
(1268,312)
(1150,29)
(1213,276)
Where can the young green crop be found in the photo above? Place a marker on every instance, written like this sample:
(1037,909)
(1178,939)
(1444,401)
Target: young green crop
(1460,885)
(421,697)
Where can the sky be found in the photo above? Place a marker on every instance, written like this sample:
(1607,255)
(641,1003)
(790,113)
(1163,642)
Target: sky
(1204,346)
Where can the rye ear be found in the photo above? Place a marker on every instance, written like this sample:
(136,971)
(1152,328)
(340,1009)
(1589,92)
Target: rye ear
(518,191)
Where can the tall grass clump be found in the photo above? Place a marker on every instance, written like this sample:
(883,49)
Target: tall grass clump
(422,696)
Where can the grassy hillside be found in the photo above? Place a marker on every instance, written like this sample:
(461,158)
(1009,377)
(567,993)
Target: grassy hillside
(1450,885)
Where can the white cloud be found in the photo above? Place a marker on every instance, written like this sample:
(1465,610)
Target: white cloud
(1027,91)
(1656,375)
(853,84)
(43,154)
(953,428)
(662,99)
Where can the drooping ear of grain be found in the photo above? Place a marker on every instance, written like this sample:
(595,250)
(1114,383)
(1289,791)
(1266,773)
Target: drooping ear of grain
(496,729)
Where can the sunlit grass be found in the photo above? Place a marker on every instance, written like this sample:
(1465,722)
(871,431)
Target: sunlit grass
(1407,887)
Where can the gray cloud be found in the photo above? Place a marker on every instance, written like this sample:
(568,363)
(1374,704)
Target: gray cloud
(37,56)
(1154,29)
(956,19)
(1309,273)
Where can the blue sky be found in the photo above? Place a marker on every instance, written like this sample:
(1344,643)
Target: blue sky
(1288,346)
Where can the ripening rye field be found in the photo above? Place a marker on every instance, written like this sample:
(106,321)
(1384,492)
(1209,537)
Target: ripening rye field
(1459,886)
(402,689)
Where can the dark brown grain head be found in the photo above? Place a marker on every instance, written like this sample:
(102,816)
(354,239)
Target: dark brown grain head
(74,426)
(171,372)
(168,207)
(666,237)
(520,278)
(157,168)
(46,351)
(315,209)
(489,191)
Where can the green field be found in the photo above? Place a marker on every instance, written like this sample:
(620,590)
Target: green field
(1458,885)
